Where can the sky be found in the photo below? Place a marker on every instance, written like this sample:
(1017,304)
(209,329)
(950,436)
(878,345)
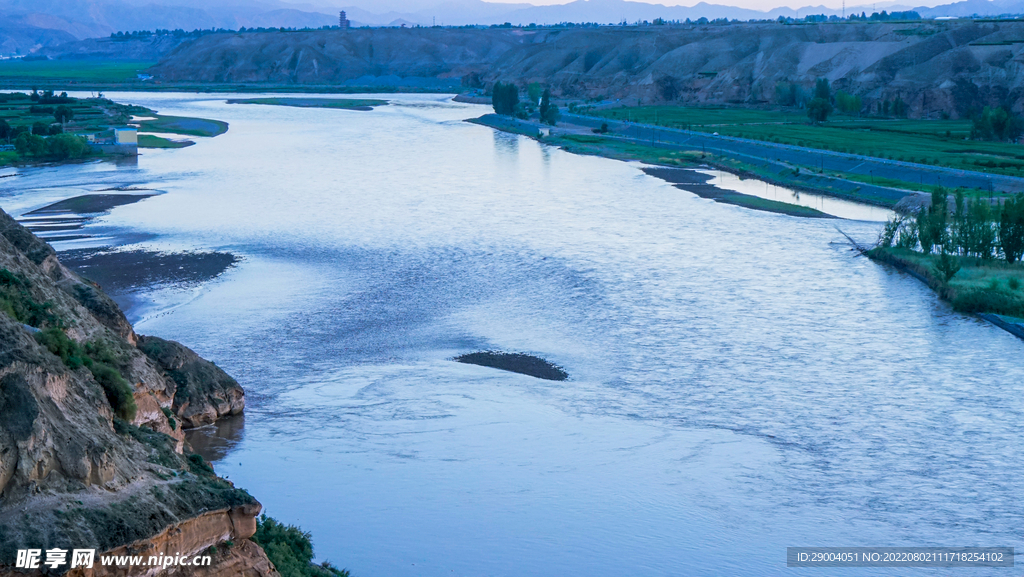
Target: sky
(763,5)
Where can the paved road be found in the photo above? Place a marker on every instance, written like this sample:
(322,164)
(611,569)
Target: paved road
(806,157)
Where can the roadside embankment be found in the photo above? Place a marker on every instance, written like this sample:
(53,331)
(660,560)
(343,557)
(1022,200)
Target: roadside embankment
(859,170)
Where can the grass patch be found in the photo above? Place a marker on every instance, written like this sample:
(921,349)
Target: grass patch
(933,142)
(338,103)
(83,70)
(768,205)
(184,125)
(980,286)
(151,141)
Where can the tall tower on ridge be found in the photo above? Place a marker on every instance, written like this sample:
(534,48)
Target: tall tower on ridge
(343,21)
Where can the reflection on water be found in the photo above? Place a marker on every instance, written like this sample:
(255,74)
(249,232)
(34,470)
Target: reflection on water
(216,441)
(739,383)
(827,204)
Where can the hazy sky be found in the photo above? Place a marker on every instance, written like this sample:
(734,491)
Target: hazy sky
(755,4)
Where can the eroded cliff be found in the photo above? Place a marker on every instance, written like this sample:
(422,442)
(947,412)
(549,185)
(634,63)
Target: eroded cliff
(92,451)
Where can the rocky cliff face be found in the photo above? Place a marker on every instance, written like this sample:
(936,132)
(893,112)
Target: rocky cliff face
(934,66)
(92,453)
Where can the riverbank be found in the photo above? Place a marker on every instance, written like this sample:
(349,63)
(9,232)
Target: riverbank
(992,290)
(43,127)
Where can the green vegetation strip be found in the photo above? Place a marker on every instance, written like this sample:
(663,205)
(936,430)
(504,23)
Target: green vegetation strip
(184,125)
(338,103)
(151,141)
(78,70)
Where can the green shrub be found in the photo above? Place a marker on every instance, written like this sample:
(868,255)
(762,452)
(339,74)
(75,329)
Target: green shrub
(16,300)
(117,389)
(1014,283)
(61,345)
(985,301)
(170,418)
(198,465)
(291,550)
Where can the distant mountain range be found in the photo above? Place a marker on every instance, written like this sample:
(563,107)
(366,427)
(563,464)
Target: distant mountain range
(28,25)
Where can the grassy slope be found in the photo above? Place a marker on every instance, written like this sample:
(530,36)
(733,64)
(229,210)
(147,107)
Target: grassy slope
(340,103)
(924,141)
(980,286)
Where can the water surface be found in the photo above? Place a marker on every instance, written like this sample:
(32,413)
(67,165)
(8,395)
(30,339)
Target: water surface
(740,381)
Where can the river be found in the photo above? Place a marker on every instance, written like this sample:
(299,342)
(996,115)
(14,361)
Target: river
(740,381)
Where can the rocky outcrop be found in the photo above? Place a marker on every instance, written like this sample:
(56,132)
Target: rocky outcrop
(933,66)
(204,392)
(92,452)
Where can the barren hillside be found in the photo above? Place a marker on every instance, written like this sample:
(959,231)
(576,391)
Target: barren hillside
(934,66)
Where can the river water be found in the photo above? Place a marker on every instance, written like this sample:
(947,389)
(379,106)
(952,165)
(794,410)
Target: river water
(740,381)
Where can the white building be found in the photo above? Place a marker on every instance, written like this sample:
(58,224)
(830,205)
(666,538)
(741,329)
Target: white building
(128,136)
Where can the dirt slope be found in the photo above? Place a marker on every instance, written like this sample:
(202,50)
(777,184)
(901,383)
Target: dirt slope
(934,66)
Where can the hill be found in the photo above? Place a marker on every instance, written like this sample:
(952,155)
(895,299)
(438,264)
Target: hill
(934,66)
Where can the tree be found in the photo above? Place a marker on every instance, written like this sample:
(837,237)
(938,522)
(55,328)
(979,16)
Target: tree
(932,222)
(848,103)
(29,144)
(818,109)
(64,114)
(822,89)
(820,106)
(1011,229)
(65,146)
(549,113)
(505,98)
(947,266)
(5,130)
(960,237)
(788,94)
(983,237)
(534,91)
(40,128)
(996,124)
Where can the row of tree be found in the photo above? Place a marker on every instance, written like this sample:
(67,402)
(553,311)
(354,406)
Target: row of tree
(973,228)
(60,146)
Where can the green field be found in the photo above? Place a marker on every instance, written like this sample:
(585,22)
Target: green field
(151,141)
(184,125)
(75,70)
(935,142)
(339,103)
